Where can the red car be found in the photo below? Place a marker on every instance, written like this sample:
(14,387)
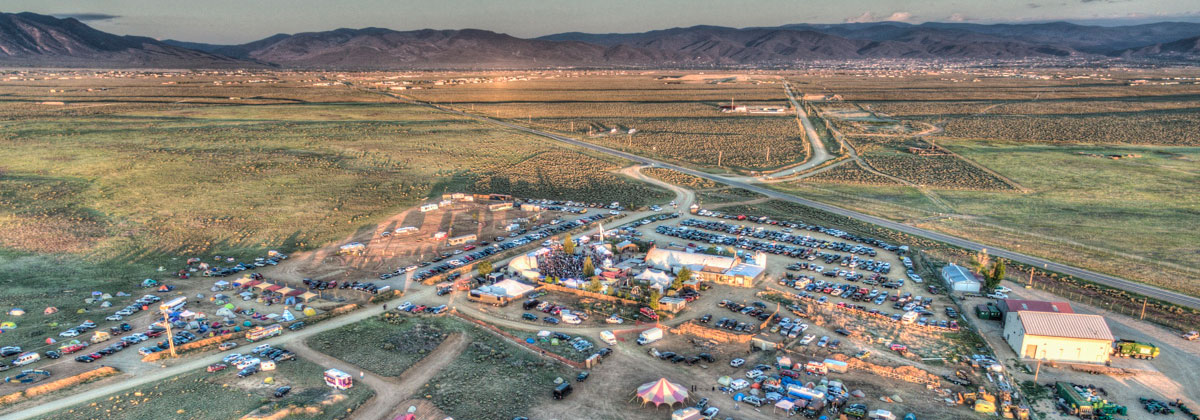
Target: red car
(72,348)
(789,373)
(96,356)
(217,367)
(154,333)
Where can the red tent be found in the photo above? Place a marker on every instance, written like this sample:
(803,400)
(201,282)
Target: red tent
(274,288)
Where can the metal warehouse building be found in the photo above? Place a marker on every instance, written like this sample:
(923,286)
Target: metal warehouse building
(1064,337)
(960,279)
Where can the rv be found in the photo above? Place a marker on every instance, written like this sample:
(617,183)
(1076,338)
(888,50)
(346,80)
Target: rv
(259,333)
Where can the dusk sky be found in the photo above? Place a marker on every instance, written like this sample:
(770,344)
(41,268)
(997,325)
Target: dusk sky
(238,21)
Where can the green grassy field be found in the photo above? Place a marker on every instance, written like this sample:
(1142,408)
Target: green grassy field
(486,372)
(100,201)
(222,395)
(401,343)
(497,371)
(1132,217)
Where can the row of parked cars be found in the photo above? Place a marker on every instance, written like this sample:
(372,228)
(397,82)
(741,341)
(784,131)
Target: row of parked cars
(421,309)
(250,364)
(814,228)
(772,241)
(243,266)
(679,358)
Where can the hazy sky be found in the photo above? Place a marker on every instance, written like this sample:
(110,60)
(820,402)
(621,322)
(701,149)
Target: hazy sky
(237,21)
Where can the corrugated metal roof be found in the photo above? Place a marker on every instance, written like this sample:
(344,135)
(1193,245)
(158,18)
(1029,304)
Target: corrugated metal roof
(957,274)
(1050,324)
(1037,305)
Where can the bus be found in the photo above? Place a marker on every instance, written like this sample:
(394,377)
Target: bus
(259,333)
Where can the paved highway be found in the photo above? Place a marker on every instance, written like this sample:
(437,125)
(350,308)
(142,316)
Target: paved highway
(1100,278)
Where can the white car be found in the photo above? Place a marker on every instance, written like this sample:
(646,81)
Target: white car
(247,362)
(68,333)
(711,412)
(113,317)
(739,384)
(615,319)
(1002,289)
(998,296)
(614,212)
(754,374)
(125,312)
(737,362)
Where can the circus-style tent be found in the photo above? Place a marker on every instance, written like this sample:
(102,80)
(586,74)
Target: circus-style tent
(660,392)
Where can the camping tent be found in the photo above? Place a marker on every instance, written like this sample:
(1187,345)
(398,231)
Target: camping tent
(308,296)
(724,380)
(8,325)
(49,310)
(661,391)
(688,413)
(785,405)
(16,312)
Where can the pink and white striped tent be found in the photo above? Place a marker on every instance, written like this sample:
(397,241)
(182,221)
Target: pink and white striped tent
(662,391)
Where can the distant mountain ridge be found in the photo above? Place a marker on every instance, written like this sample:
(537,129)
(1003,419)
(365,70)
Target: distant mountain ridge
(28,39)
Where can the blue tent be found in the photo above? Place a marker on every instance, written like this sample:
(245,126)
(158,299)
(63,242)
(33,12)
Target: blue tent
(739,396)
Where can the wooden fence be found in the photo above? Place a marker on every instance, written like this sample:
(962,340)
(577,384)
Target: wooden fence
(691,328)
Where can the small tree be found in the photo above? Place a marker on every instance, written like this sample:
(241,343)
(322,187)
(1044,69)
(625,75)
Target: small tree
(980,262)
(684,275)
(568,244)
(594,285)
(589,270)
(996,276)
(654,297)
(484,268)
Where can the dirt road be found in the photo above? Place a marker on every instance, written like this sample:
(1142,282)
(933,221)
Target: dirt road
(389,391)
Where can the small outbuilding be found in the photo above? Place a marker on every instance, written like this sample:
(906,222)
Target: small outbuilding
(960,279)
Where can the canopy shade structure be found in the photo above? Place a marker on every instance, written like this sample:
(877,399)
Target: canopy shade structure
(661,392)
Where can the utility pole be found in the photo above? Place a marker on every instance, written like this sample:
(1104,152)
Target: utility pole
(572,126)
(1030,285)
(768,153)
(629,140)
(720,153)
(1144,302)
(1037,371)
(167,322)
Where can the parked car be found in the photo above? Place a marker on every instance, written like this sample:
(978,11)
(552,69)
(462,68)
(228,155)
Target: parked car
(281,391)
(217,367)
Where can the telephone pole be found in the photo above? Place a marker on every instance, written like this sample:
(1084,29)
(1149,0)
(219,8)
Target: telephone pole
(167,323)
(720,153)
(1144,302)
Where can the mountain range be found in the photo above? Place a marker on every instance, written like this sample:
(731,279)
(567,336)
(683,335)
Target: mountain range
(33,40)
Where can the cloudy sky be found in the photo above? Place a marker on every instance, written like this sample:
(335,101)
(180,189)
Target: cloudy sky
(237,21)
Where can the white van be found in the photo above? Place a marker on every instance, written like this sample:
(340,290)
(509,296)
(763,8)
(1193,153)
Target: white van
(608,337)
(27,358)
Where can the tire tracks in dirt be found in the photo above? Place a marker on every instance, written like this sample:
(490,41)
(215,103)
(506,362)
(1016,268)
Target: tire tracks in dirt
(390,391)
